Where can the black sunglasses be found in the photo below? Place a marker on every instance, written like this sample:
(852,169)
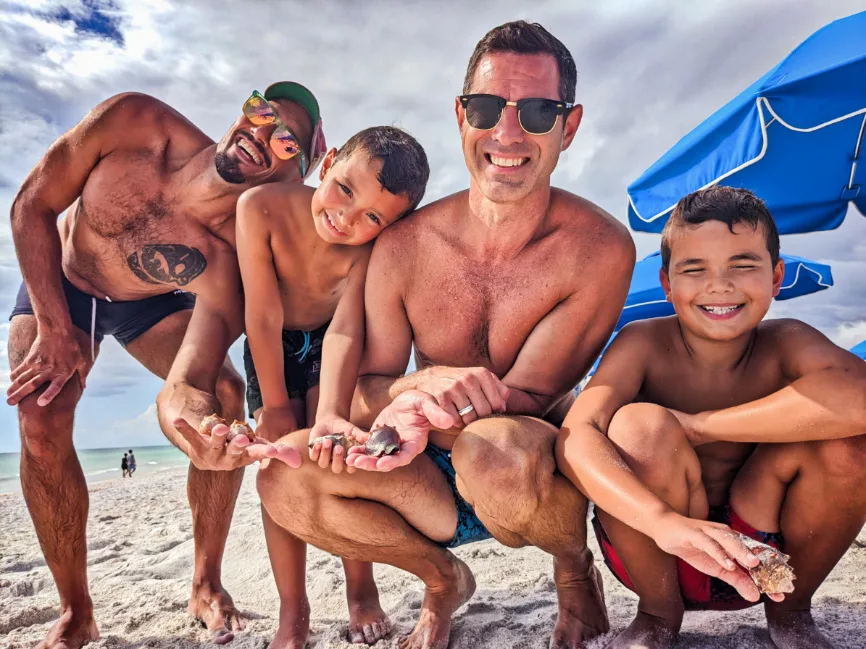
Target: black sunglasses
(537,116)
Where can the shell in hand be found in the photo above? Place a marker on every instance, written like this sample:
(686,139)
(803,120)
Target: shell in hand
(773,574)
(341,439)
(383,441)
(207,424)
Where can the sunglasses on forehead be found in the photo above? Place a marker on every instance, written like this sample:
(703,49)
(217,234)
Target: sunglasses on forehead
(284,143)
(537,116)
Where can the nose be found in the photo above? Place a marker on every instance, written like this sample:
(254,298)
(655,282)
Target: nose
(720,282)
(508,130)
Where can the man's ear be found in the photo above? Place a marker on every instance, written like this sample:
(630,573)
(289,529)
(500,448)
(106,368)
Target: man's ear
(572,122)
(327,163)
(459,112)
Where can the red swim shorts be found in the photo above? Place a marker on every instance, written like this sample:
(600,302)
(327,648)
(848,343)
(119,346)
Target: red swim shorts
(700,591)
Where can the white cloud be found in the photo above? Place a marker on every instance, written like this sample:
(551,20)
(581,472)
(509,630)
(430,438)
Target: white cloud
(850,334)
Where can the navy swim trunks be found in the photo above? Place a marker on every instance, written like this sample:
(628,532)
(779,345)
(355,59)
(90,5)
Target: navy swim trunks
(126,321)
(302,363)
(469,527)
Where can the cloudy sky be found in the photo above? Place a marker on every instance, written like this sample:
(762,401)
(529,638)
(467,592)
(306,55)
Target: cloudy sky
(649,71)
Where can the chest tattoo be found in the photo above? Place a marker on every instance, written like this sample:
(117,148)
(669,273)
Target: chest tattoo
(167,263)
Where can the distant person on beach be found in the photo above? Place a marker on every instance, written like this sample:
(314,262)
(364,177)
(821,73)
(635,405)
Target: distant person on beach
(124,466)
(150,205)
(710,421)
(131,463)
(508,291)
(308,250)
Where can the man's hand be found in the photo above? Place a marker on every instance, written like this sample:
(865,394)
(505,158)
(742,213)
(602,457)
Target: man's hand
(53,358)
(690,427)
(712,548)
(324,452)
(275,422)
(456,388)
(412,415)
(211,453)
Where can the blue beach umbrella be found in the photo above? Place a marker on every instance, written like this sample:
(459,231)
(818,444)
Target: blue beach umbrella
(646,299)
(860,350)
(794,138)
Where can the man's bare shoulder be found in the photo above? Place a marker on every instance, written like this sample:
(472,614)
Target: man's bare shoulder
(131,113)
(403,239)
(576,216)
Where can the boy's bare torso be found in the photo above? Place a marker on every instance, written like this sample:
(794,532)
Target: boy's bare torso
(311,272)
(129,235)
(673,379)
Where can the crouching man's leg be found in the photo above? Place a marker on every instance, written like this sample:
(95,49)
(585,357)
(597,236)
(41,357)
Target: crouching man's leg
(400,518)
(506,470)
(812,492)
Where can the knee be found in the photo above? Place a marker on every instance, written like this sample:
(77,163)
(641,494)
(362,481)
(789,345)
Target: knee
(844,459)
(46,431)
(507,470)
(651,441)
(230,389)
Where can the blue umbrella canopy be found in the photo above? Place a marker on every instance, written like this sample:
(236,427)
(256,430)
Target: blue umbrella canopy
(860,350)
(794,138)
(646,299)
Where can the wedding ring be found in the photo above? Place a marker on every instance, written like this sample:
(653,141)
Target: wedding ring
(466,410)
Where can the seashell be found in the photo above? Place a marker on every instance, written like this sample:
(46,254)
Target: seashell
(345,441)
(383,441)
(207,424)
(773,574)
(240,428)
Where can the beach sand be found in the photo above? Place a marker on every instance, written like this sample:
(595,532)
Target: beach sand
(140,565)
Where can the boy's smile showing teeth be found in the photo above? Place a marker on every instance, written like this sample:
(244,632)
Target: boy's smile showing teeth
(334,225)
(720,310)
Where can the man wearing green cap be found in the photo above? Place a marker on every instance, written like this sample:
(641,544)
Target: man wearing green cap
(148,234)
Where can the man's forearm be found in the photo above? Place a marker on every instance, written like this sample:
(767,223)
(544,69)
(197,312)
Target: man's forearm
(39,250)
(825,405)
(374,392)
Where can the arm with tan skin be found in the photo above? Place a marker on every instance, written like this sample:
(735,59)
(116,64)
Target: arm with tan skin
(50,188)
(590,460)
(341,359)
(189,393)
(263,314)
(826,398)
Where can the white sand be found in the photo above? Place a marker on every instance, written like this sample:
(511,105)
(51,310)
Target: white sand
(140,568)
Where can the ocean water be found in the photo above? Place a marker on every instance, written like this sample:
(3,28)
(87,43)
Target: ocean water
(103,464)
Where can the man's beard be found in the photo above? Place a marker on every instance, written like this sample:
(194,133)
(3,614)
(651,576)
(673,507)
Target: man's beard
(229,169)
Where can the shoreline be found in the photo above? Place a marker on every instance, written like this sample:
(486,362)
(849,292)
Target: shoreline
(140,553)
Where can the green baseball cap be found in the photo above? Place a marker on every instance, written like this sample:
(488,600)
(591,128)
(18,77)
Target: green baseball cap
(295,92)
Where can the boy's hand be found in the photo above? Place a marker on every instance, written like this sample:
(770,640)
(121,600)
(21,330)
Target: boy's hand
(275,422)
(211,453)
(324,452)
(712,548)
(412,415)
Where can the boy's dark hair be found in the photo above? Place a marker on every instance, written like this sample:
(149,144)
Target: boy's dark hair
(730,205)
(522,37)
(404,164)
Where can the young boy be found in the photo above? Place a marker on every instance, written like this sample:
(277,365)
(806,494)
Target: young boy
(712,420)
(303,257)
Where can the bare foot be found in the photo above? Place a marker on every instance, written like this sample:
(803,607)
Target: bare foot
(71,631)
(367,621)
(294,626)
(214,608)
(582,614)
(434,623)
(796,630)
(647,632)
